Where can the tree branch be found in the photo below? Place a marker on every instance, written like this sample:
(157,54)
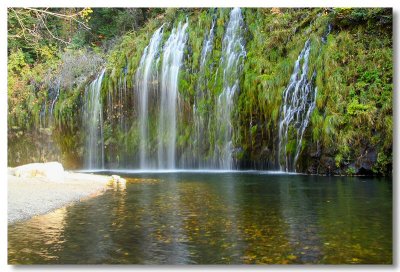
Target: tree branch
(71,17)
(48,30)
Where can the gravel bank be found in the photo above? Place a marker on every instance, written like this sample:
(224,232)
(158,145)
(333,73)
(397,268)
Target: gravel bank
(32,196)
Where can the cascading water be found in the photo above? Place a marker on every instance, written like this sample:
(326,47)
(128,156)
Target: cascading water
(172,61)
(93,122)
(297,105)
(158,104)
(46,117)
(324,38)
(55,99)
(122,95)
(200,116)
(145,76)
(117,114)
(207,46)
(233,54)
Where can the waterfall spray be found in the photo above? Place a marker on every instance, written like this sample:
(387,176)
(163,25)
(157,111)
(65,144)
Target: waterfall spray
(195,157)
(93,122)
(172,60)
(145,75)
(233,54)
(297,105)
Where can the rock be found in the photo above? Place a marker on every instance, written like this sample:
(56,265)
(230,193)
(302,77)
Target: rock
(367,161)
(364,171)
(53,171)
(327,165)
(118,182)
(364,163)
(118,179)
(115,178)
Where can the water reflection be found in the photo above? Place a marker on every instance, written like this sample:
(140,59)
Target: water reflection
(179,218)
(46,238)
(298,211)
(357,222)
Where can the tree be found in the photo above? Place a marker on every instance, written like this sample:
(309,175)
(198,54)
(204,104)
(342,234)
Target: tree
(31,28)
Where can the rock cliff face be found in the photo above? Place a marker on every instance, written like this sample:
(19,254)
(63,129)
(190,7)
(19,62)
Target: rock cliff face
(305,90)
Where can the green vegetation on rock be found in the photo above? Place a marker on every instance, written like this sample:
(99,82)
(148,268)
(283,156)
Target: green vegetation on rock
(350,130)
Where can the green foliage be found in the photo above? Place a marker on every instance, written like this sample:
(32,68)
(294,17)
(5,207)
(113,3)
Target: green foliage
(16,62)
(107,23)
(274,41)
(68,107)
(355,108)
(383,164)
(354,77)
(373,17)
(254,129)
(338,160)
(351,171)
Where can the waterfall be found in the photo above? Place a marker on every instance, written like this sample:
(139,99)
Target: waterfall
(207,46)
(93,123)
(297,105)
(145,76)
(46,117)
(172,60)
(55,99)
(233,54)
(324,38)
(122,98)
(200,116)
(117,112)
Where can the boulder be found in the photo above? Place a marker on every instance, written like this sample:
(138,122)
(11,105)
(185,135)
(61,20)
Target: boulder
(53,171)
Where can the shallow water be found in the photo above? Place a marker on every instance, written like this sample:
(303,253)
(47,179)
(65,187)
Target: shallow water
(216,218)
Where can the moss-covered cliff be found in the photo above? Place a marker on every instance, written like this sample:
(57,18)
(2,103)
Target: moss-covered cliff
(350,65)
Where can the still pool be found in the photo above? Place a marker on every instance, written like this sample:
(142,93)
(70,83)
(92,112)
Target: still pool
(216,218)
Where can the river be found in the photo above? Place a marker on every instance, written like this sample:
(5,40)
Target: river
(216,217)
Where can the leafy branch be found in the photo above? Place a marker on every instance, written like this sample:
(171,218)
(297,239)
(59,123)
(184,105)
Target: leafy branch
(32,24)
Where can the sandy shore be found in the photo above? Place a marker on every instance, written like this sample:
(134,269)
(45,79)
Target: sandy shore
(32,196)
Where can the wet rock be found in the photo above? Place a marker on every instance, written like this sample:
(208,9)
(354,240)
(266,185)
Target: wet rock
(328,166)
(237,151)
(367,160)
(364,163)
(265,152)
(118,182)
(364,172)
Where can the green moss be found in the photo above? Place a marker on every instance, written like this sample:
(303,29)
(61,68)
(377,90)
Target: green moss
(354,78)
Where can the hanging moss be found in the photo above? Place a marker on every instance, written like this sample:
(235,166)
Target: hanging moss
(351,124)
